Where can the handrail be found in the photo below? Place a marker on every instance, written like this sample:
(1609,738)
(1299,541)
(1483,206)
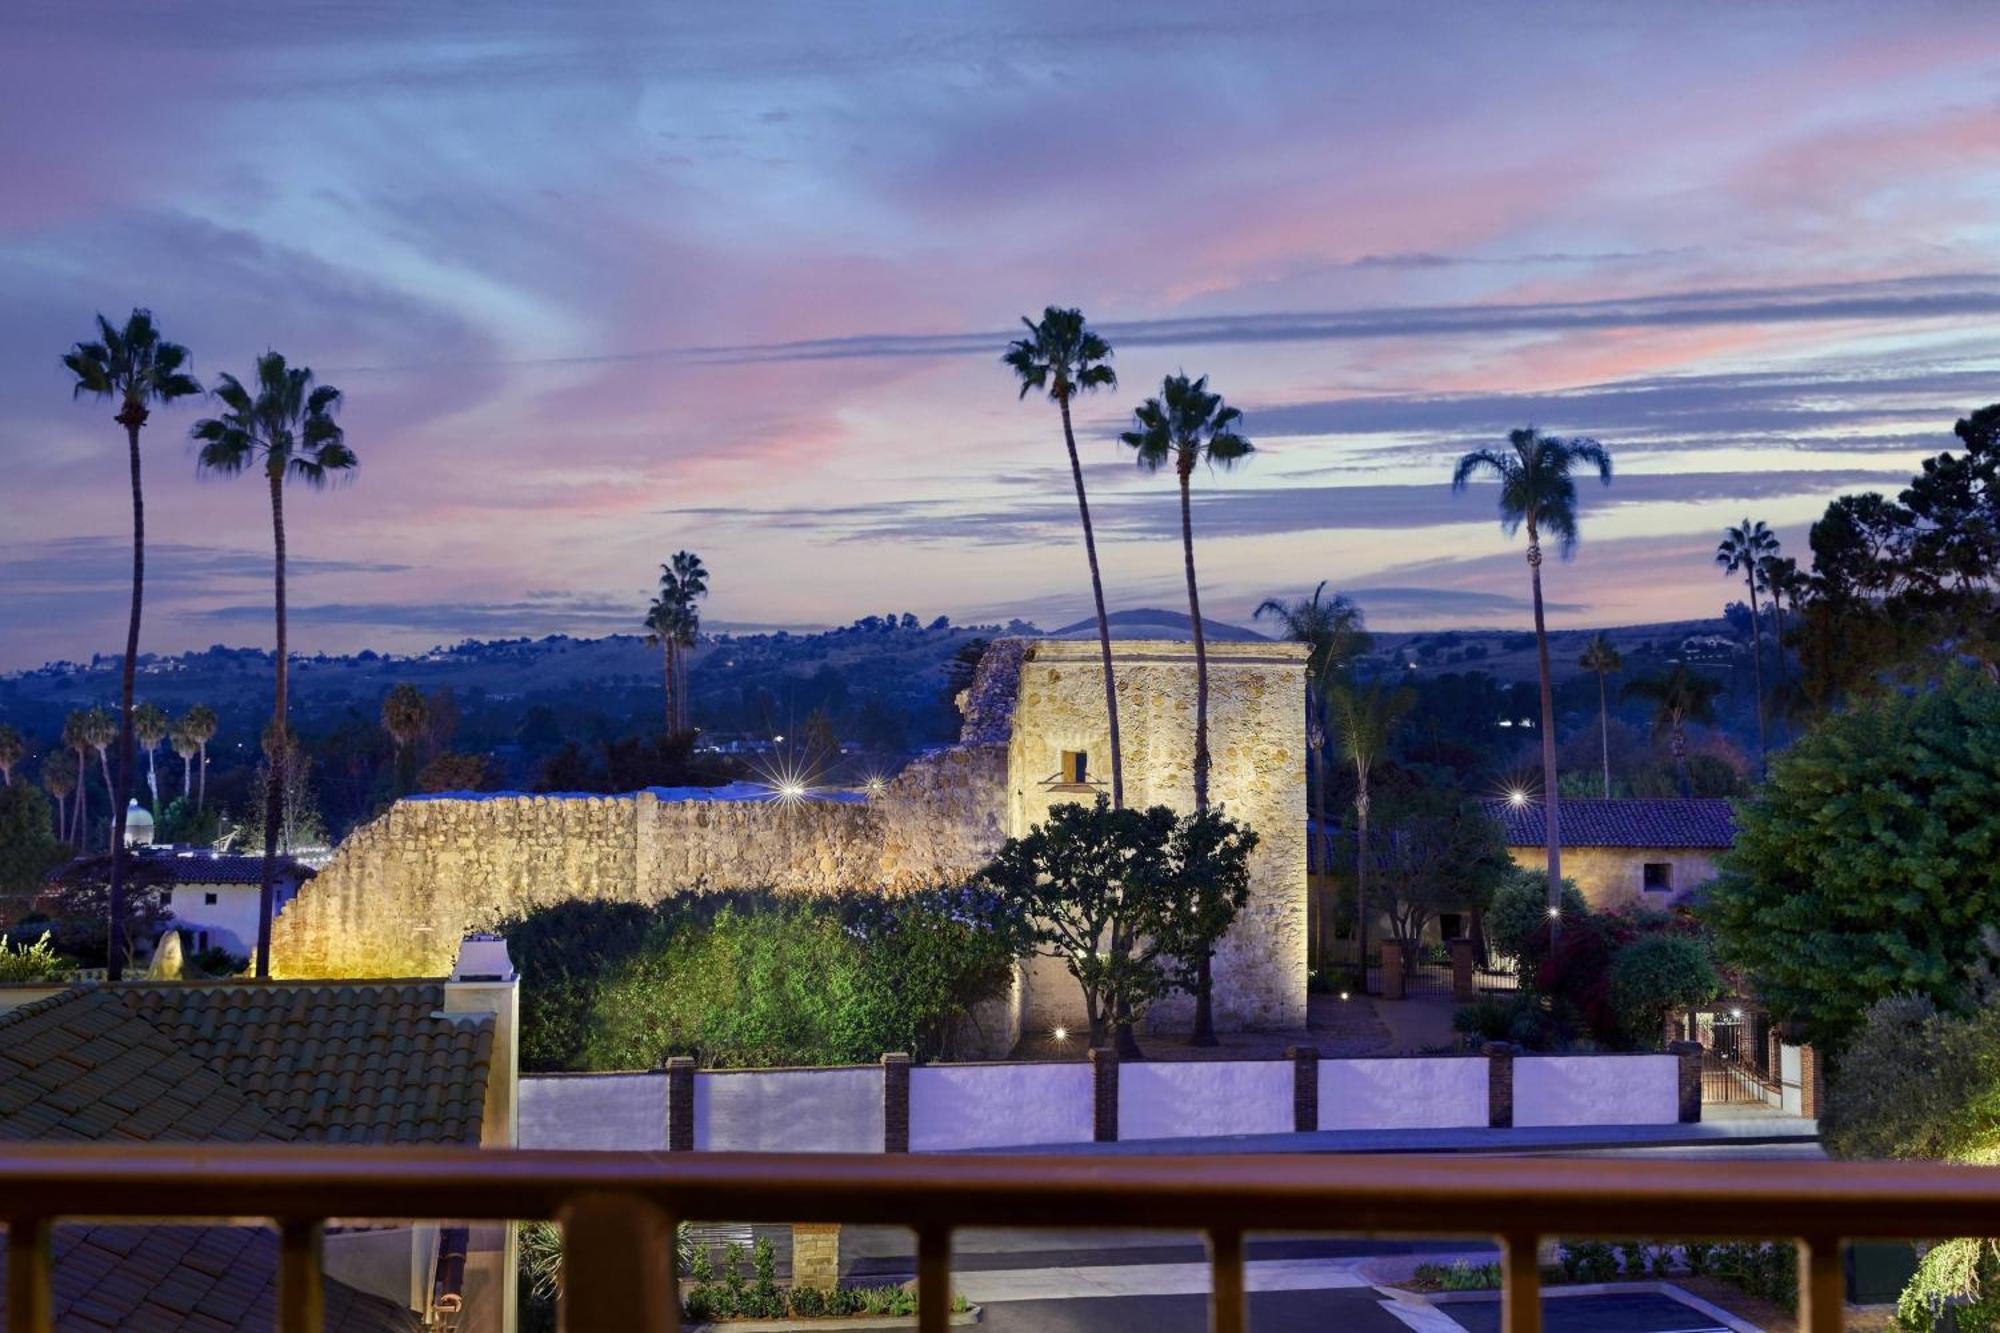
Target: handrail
(619,1207)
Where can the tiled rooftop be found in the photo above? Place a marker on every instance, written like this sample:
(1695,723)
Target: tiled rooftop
(204,867)
(1697,823)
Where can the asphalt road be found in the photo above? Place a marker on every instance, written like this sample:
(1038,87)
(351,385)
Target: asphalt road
(1348,1310)
(1594,1314)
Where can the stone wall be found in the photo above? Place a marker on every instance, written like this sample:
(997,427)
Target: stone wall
(1613,877)
(402,890)
(1256,727)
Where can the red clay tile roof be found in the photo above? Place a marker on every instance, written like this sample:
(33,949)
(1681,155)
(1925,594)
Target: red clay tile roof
(168,1279)
(1702,822)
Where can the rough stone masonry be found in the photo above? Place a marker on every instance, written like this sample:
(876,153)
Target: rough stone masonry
(403,889)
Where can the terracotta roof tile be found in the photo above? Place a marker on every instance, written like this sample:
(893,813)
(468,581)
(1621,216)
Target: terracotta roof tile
(1701,822)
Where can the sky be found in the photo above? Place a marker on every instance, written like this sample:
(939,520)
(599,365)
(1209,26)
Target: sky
(600,282)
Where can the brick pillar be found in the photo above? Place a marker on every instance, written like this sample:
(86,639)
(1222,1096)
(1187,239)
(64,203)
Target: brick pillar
(1393,964)
(1305,1087)
(1104,1093)
(1462,989)
(816,1255)
(680,1104)
(895,1103)
(1499,1085)
(1812,1083)
(1689,1075)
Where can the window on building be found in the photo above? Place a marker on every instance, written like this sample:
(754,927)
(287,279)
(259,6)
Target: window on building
(1659,877)
(1075,768)
(208,900)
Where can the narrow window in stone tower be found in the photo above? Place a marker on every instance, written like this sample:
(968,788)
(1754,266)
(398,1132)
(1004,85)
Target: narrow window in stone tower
(1074,768)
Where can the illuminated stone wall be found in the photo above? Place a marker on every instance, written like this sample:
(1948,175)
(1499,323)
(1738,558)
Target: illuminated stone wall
(403,890)
(1613,877)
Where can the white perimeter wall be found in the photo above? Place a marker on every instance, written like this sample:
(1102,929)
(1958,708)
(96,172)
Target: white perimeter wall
(1194,1098)
(1419,1092)
(610,1111)
(788,1110)
(1596,1089)
(999,1106)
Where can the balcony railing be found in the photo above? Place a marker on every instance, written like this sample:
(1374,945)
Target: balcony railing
(619,1209)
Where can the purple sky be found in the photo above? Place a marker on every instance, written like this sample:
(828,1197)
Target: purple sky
(601,281)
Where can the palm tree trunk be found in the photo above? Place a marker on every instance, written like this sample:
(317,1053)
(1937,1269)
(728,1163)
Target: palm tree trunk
(153,772)
(104,768)
(201,792)
(1103,620)
(667,680)
(1778,650)
(187,777)
(1550,813)
(1757,667)
(1361,872)
(1204,977)
(1604,731)
(132,418)
(281,744)
(62,817)
(82,801)
(1680,745)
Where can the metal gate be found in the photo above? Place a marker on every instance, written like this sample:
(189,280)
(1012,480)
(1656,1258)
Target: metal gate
(1736,1054)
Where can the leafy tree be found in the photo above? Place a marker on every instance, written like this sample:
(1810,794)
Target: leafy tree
(1744,548)
(1439,853)
(184,822)
(406,717)
(456,771)
(12,751)
(1208,878)
(28,845)
(1679,697)
(1517,920)
(1365,720)
(1090,887)
(1184,426)
(149,728)
(1871,859)
(140,369)
(288,428)
(1657,975)
(1063,357)
(1538,491)
(1601,658)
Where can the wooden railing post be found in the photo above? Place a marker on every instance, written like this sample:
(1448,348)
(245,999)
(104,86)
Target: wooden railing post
(30,1300)
(618,1267)
(300,1295)
(933,1280)
(1822,1286)
(1229,1305)
(1521,1284)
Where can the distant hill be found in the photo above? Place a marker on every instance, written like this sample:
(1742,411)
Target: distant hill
(1154,623)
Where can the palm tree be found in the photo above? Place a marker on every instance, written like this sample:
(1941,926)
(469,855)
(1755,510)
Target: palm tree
(689,585)
(288,426)
(137,367)
(76,737)
(149,728)
(663,631)
(12,750)
(58,782)
(1741,548)
(100,733)
(405,716)
(1332,631)
(201,725)
(185,745)
(1601,657)
(1678,698)
(1063,357)
(1783,582)
(1537,490)
(1184,426)
(1366,721)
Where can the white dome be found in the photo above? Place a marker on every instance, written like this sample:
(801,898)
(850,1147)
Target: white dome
(138,825)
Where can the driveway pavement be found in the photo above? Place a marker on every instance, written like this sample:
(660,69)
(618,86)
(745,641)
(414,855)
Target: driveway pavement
(1349,1310)
(1622,1313)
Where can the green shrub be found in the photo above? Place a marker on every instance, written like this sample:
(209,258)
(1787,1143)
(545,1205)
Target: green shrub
(28,845)
(32,962)
(1457,1276)
(1588,1261)
(1517,922)
(1656,975)
(808,1302)
(747,979)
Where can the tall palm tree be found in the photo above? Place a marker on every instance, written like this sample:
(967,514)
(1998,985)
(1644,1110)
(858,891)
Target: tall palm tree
(1538,491)
(12,750)
(1366,721)
(201,725)
(1600,657)
(406,717)
(1184,426)
(134,365)
(690,585)
(1741,548)
(100,733)
(1332,630)
(1063,357)
(1678,698)
(185,745)
(76,738)
(288,427)
(1783,583)
(149,728)
(59,783)
(663,632)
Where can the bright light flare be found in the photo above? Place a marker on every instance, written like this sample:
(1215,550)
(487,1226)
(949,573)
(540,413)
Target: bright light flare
(1517,798)
(1060,1034)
